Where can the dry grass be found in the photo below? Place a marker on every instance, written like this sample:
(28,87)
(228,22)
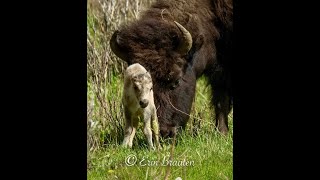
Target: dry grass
(104,69)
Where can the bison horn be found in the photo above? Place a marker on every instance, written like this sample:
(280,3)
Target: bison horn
(116,48)
(186,42)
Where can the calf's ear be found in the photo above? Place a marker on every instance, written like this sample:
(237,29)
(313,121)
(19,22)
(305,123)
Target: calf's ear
(149,75)
(117,48)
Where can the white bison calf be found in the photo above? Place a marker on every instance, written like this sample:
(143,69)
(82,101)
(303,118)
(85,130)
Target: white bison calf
(139,104)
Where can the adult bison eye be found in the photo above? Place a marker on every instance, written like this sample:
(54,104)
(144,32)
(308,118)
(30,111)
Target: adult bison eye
(175,84)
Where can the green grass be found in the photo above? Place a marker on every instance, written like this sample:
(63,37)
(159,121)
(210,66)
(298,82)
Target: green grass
(210,152)
(211,156)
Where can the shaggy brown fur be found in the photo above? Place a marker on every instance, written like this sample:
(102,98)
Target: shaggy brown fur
(153,41)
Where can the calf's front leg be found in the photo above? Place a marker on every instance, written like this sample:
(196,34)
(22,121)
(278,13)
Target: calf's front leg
(148,132)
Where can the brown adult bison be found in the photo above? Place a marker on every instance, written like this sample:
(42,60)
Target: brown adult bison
(178,41)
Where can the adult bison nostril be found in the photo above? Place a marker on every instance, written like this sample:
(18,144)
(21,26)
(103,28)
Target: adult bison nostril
(144,103)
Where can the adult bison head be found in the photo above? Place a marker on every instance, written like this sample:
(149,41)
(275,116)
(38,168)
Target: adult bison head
(162,48)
